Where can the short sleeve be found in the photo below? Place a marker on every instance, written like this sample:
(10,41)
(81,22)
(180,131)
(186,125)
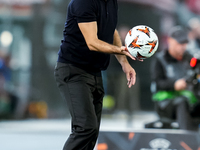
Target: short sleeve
(84,10)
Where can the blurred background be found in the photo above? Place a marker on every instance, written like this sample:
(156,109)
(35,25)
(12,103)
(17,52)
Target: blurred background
(33,116)
(30,34)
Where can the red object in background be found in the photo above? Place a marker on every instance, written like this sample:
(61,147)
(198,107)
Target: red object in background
(194,5)
(193,62)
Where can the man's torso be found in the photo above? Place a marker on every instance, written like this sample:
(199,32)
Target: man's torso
(73,48)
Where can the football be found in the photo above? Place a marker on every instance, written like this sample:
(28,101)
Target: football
(141,41)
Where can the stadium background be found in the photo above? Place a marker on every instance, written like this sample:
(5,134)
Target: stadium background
(32,33)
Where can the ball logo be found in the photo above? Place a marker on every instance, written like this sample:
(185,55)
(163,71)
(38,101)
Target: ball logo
(130,32)
(133,43)
(153,44)
(160,143)
(146,31)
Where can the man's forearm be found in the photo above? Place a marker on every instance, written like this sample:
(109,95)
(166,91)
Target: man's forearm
(117,41)
(89,31)
(101,46)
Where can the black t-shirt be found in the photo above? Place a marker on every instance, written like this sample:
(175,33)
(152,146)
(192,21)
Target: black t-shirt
(74,49)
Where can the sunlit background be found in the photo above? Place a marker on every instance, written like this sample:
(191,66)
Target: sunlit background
(30,35)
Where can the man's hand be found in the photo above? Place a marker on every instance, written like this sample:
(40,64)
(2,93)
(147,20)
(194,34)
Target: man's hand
(180,85)
(130,74)
(125,51)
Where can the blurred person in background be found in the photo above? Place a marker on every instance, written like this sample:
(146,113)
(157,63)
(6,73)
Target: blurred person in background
(8,100)
(169,86)
(90,36)
(5,65)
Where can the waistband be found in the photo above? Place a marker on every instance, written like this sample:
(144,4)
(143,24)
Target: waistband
(95,73)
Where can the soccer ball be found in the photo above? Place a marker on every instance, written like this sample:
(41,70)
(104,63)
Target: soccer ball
(141,41)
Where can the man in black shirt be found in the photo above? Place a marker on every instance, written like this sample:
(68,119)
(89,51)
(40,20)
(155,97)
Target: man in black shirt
(90,36)
(171,94)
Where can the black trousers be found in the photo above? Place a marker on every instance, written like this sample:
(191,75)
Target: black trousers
(83,93)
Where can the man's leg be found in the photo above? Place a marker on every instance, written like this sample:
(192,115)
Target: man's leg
(78,89)
(98,95)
